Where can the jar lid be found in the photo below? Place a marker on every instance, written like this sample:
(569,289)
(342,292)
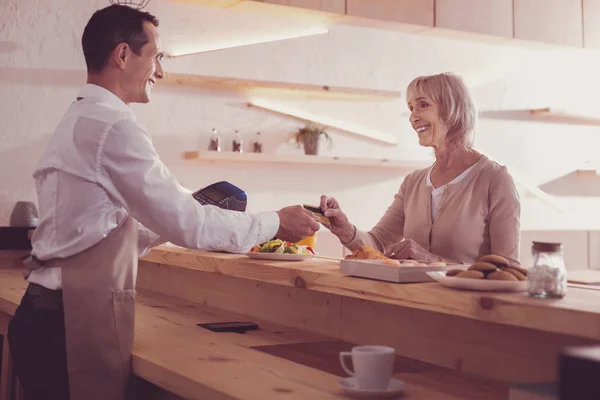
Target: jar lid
(547,246)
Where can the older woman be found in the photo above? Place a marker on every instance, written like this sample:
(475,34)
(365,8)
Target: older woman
(462,207)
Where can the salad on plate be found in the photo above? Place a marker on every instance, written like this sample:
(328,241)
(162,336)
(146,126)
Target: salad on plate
(278,246)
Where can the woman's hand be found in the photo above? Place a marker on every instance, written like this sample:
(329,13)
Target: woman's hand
(339,226)
(408,249)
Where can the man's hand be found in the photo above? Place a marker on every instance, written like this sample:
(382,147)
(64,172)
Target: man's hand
(296,223)
(408,249)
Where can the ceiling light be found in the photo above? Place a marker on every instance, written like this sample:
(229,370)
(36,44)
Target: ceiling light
(213,45)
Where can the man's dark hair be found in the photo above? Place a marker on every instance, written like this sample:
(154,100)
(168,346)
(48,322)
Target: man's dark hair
(110,26)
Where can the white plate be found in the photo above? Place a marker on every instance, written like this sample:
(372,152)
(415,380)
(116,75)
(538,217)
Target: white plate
(394,389)
(279,256)
(478,284)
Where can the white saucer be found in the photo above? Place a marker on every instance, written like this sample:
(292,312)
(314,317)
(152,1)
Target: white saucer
(395,388)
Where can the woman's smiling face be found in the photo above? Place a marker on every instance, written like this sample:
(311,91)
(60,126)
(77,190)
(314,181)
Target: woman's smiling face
(426,120)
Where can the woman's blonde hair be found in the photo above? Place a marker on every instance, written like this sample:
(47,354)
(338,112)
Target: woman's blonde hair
(457,109)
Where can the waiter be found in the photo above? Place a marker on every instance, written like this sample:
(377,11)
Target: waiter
(104,198)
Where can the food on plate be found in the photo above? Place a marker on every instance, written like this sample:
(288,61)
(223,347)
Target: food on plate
(408,263)
(471,274)
(500,275)
(498,261)
(520,276)
(482,266)
(454,272)
(366,252)
(518,268)
(493,267)
(278,246)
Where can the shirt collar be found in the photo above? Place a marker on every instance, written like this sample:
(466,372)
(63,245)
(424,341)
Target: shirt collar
(104,95)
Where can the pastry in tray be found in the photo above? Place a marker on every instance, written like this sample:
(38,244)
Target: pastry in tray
(367,252)
(491,267)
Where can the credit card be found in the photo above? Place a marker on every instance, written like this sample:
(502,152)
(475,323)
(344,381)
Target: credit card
(317,212)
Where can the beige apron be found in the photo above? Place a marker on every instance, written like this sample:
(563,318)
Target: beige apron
(99,298)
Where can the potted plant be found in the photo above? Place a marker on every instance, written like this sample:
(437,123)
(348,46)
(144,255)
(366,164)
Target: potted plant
(309,136)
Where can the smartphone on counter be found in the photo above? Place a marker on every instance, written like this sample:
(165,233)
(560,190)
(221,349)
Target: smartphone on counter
(317,212)
(230,326)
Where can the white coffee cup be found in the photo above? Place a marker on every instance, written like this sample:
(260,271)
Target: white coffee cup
(373,366)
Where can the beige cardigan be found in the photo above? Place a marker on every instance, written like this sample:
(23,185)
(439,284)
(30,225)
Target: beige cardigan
(478,215)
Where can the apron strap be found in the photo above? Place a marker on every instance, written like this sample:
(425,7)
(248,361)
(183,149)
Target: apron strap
(32,263)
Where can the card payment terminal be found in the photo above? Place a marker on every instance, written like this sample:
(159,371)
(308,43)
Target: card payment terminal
(224,195)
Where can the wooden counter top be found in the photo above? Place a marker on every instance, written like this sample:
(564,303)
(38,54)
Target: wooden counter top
(173,353)
(577,314)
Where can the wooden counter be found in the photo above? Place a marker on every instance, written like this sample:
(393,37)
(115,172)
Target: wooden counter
(274,362)
(507,336)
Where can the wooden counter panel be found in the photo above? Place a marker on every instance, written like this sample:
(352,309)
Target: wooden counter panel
(172,352)
(177,318)
(166,313)
(290,306)
(507,353)
(11,258)
(445,340)
(446,384)
(577,314)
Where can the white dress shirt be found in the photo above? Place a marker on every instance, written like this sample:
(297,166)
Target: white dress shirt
(99,166)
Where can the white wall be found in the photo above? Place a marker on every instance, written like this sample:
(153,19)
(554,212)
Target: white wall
(41,68)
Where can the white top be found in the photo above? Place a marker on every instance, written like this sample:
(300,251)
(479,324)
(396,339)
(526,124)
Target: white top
(99,166)
(438,193)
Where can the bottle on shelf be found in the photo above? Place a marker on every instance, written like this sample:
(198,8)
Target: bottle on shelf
(257,144)
(215,141)
(238,144)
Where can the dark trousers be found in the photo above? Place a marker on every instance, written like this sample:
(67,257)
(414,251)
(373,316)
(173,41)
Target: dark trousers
(36,335)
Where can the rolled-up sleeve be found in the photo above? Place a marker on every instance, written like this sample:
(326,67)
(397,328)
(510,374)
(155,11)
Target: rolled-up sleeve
(130,170)
(504,217)
(147,240)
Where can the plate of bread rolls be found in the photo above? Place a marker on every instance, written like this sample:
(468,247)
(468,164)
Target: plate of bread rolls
(489,273)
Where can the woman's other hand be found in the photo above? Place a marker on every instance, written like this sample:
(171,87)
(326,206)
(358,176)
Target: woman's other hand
(408,249)
(339,224)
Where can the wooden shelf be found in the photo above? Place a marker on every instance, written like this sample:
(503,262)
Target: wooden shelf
(563,116)
(268,158)
(587,172)
(279,89)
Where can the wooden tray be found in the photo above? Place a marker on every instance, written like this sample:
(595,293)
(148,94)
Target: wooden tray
(376,269)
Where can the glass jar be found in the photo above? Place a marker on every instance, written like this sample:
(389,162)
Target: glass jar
(548,276)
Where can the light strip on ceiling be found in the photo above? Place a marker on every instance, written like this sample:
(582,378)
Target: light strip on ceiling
(324,120)
(267,37)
